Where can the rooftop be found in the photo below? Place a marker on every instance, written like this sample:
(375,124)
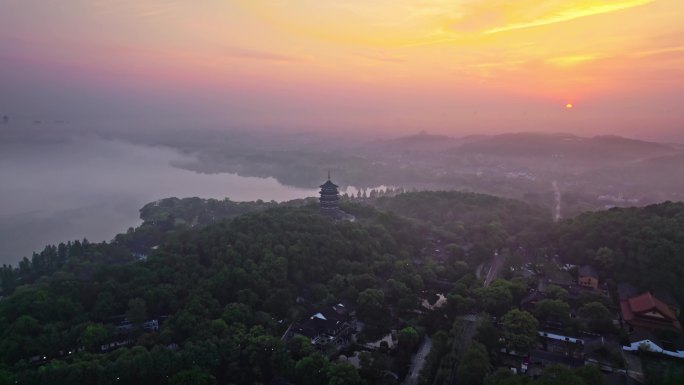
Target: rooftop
(647,302)
(647,310)
(588,271)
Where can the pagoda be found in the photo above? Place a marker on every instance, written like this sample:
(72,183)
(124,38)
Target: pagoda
(330,199)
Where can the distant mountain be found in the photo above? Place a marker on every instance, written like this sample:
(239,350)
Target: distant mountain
(656,175)
(422,141)
(423,137)
(568,146)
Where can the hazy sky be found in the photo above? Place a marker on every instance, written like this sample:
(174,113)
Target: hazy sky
(358,66)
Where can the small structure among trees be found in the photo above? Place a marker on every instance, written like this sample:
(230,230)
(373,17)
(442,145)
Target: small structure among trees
(588,277)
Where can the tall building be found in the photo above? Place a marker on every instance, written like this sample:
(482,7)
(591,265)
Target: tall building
(330,199)
(5,119)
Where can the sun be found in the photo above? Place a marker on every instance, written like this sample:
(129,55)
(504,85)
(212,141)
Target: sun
(569,105)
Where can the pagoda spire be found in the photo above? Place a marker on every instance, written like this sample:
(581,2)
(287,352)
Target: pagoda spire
(330,197)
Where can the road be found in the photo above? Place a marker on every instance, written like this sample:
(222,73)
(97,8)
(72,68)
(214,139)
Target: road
(465,336)
(497,263)
(557,195)
(418,361)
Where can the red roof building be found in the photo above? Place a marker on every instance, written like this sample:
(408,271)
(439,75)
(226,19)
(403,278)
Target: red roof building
(646,311)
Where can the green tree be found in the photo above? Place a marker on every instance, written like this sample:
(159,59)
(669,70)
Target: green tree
(7,378)
(552,310)
(371,303)
(558,374)
(504,376)
(194,376)
(489,336)
(93,336)
(218,327)
(458,304)
(556,292)
(591,375)
(474,365)
(496,298)
(596,315)
(300,346)
(137,311)
(520,331)
(312,370)
(605,258)
(344,374)
(408,338)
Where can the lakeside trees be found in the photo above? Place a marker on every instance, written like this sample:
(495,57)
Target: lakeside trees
(229,289)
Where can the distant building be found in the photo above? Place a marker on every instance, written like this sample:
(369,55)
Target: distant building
(330,198)
(330,201)
(332,326)
(647,312)
(588,277)
(5,119)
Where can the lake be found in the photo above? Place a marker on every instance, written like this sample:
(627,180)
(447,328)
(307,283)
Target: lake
(93,188)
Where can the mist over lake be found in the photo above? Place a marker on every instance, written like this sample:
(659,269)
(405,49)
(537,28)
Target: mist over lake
(54,191)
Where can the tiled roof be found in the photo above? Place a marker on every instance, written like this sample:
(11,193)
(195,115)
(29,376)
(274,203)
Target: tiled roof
(647,302)
(588,271)
(329,185)
(633,307)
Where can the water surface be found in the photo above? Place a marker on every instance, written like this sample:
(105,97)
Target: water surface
(93,188)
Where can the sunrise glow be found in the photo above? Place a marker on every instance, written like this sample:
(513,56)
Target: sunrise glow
(389,66)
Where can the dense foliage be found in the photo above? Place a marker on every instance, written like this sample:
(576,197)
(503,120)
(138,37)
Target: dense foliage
(225,281)
(479,223)
(228,290)
(642,246)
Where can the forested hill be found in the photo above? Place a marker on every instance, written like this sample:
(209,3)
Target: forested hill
(171,214)
(161,219)
(642,246)
(480,222)
(228,290)
(225,288)
(454,208)
(224,291)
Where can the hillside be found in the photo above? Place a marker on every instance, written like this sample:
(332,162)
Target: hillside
(642,246)
(603,148)
(210,304)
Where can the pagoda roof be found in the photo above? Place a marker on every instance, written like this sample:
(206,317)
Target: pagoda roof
(328,184)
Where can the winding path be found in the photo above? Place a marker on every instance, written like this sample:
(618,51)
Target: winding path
(557,195)
(418,362)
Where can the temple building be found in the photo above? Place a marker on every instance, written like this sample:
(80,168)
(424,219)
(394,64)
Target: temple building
(588,277)
(647,312)
(330,201)
(330,198)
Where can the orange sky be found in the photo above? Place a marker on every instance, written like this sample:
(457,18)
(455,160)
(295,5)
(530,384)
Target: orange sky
(385,66)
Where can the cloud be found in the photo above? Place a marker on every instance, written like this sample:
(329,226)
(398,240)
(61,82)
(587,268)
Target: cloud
(383,58)
(659,51)
(568,61)
(246,53)
(136,8)
(492,17)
